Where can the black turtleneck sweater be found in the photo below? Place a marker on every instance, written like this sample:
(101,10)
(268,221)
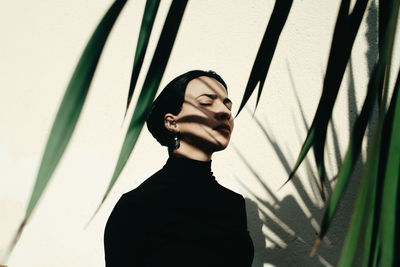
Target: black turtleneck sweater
(180,216)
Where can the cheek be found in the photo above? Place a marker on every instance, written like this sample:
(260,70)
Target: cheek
(195,128)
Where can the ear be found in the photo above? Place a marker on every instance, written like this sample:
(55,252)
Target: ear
(170,122)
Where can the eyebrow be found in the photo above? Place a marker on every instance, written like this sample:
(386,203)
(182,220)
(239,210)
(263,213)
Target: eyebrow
(214,96)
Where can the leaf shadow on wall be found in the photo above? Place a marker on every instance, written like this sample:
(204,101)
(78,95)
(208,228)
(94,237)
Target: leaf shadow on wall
(283,233)
(291,231)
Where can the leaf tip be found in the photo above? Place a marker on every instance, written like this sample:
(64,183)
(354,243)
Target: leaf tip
(290,178)
(96,211)
(14,241)
(316,246)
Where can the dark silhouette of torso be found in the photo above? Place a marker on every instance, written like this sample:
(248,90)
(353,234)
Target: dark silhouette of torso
(180,216)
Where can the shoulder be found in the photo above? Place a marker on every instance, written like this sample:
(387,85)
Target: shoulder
(132,204)
(228,192)
(142,198)
(234,204)
(230,195)
(145,190)
(131,200)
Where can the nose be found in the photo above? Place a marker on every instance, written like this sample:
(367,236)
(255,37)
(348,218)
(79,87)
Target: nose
(222,112)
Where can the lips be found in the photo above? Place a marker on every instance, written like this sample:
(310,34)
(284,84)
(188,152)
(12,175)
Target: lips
(223,127)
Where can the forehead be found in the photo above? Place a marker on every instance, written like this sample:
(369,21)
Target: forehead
(205,85)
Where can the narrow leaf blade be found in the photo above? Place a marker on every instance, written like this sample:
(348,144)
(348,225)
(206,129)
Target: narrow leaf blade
(266,51)
(363,210)
(346,29)
(353,151)
(149,16)
(70,108)
(391,183)
(354,148)
(72,103)
(150,86)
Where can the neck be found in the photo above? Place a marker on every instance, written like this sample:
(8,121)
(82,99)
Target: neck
(191,152)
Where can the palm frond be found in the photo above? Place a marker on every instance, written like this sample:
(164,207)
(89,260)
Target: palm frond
(149,16)
(150,86)
(266,51)
(342,43)
(70,109)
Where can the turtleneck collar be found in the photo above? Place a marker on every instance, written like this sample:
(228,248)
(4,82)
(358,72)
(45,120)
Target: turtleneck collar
(187,167)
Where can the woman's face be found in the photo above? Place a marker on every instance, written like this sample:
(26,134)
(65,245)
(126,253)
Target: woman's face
(205,120)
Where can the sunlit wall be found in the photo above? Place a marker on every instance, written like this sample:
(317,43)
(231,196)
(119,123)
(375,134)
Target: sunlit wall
(41,43)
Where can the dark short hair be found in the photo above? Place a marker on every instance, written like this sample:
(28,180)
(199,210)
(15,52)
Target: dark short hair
(170,100)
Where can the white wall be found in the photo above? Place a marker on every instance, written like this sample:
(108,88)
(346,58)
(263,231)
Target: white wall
(41,43)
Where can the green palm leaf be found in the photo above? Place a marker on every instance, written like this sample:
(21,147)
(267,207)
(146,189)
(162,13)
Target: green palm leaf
(373,232)
(150,86)
(366,212)
(364,208)
(70,108)
(149,15)
(342,43)
(354,147)
(384,9)
(350,159)
(266,51)
(390,195)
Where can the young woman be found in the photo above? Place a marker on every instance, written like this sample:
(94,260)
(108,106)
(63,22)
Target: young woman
(181,216)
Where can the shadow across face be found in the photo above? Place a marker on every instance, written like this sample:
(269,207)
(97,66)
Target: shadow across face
(205,121)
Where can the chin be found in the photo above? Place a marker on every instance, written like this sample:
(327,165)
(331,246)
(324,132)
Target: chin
(220,148)
(211,145)
(220,145)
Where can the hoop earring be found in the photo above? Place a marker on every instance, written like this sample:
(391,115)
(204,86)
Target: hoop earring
(176,141)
